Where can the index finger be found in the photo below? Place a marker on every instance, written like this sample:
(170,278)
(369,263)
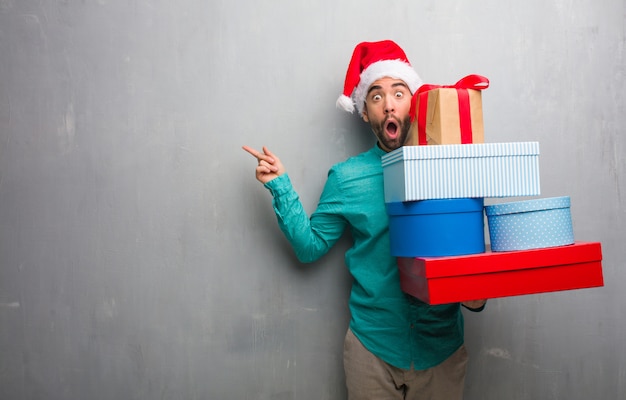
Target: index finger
(252,151)
(258,155)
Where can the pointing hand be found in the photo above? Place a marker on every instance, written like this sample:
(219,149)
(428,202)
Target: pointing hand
(269,166)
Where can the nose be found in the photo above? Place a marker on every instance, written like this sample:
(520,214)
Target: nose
(389,105)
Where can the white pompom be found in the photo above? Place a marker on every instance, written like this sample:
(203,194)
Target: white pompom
(345,103)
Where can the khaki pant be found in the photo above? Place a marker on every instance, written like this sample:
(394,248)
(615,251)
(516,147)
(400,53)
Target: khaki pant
(370,378)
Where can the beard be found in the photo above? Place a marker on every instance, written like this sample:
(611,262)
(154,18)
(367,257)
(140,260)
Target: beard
(388,143)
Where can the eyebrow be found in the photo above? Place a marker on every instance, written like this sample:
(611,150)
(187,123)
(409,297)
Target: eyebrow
(400,84)
(376,87)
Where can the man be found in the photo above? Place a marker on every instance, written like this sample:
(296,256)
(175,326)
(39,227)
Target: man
(396,346)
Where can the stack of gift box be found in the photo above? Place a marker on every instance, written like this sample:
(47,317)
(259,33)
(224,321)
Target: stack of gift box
(434,194)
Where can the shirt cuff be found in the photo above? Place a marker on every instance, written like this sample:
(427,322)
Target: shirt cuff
(279,185)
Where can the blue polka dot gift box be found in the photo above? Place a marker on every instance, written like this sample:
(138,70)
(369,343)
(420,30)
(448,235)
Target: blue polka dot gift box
(530,224)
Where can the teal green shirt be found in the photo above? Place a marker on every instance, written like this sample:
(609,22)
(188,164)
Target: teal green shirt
(395,327)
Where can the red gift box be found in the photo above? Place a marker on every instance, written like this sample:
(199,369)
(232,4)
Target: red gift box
(442,280)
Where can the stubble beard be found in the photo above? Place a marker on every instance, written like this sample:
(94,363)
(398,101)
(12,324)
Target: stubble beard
(400,140)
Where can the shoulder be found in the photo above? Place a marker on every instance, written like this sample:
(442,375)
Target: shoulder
(367,161)
(358,174)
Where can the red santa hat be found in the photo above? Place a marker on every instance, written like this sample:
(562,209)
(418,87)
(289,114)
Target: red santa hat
(370,62)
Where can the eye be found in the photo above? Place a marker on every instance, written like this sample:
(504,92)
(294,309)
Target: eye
(399,95)
(377,97)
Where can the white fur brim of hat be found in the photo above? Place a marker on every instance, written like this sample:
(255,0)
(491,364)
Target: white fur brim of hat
(396,69)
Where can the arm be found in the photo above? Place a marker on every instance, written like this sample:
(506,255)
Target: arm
(310,238)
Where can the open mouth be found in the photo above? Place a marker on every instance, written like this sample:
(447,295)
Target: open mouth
(391,129)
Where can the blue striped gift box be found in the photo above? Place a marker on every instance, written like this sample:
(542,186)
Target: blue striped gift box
(461,171)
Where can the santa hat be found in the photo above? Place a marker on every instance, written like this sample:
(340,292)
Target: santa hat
(370,62)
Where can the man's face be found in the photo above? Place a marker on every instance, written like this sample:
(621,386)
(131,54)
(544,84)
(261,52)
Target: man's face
(387,106)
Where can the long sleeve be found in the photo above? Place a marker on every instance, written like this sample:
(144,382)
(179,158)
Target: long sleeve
(312,237)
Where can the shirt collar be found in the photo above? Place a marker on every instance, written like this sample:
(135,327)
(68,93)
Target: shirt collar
(378,151)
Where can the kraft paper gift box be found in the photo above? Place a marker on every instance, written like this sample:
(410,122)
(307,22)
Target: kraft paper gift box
(452,171)
(451,114)
(443,280)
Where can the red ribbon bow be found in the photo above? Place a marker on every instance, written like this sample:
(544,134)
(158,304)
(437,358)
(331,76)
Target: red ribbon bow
(474,82)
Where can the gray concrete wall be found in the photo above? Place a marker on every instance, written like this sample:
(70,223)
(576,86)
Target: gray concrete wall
(140,259)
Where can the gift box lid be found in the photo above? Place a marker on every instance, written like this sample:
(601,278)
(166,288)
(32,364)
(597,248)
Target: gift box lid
(436,206)
(528,206)
(469,150)
(490,262)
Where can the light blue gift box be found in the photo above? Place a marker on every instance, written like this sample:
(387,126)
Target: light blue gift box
(476,170)
(530,224)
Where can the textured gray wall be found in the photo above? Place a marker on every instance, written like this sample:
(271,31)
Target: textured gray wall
(140,259)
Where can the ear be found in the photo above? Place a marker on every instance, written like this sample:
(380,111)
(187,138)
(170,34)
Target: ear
(364,114)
